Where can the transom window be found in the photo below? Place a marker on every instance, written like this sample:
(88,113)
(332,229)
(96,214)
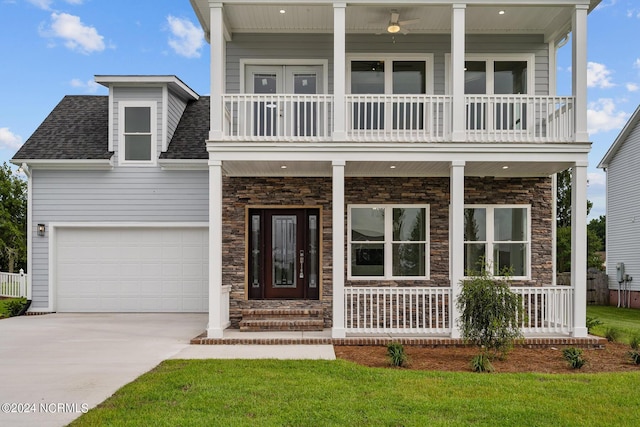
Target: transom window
(138,138)
(388,242)
(499,235)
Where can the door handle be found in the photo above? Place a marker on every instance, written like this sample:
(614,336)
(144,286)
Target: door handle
(301,258)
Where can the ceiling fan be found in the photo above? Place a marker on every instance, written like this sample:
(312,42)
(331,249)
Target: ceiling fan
(397,26)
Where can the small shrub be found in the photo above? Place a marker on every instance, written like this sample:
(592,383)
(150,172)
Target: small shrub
(592,322)
(635,342)
(481,363)
(574,357)
(612,334)
(397,355)
(635,356)
(14,306)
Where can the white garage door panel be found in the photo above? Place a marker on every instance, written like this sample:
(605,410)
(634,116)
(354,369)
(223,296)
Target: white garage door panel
(131,269)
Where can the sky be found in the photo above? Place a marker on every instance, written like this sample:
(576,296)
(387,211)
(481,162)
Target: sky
(53,48)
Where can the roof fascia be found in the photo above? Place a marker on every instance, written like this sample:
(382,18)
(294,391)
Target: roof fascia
(183,164)
(66,164)
(622,137)
(173,82)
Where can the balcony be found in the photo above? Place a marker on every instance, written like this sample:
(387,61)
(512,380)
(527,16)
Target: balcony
(398,118)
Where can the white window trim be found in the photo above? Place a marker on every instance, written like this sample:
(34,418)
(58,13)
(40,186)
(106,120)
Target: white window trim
(490,58)
(388,59)
(489,242)
(388,242)
(153,128)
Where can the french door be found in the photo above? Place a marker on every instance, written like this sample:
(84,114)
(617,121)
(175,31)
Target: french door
(273,116)
(284,254)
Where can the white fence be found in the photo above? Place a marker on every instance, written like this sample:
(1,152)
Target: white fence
(397,310)
(519,118)
(547,310)
(13,285)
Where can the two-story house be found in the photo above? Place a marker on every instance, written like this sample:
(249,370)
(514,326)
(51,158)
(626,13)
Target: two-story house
(354,161)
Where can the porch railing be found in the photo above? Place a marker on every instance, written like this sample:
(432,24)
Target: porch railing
(397,310)
(257,117)
(398,118)
(13,285)
(519,118)
(547,310)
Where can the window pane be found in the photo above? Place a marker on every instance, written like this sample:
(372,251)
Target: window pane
(137,147)
(409,259)
(475,224)
(137,119)
(255,251)
(510,224)
(510,77)
(512,256)
(408,77)
(409,224)
(265,83)
(367,77)
(367,259)
(475,77)
(474,253)
(367,224)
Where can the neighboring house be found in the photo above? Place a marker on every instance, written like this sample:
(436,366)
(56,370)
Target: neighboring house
(623,214)
(340,167)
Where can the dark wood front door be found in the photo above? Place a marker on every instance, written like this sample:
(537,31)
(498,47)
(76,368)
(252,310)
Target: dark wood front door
(284,254)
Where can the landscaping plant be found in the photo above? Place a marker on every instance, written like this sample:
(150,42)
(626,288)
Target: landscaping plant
(489,313)
(574,357)
(612,334)
(397,355)
(592,322)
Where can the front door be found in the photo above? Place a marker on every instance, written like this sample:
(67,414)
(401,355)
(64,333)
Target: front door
(284,254)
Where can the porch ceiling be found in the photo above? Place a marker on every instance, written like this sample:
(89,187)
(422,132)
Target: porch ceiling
(261,16)
(390,169)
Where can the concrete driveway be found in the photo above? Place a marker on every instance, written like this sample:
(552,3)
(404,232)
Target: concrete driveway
(57,366)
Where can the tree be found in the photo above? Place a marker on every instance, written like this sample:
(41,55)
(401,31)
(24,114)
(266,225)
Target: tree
(563,202)
(13,220)
(599,227)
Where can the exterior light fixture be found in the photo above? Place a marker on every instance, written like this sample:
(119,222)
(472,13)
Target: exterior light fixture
(283,167)
(393,27)
(505,167)
(283,11)
(501,12)
(392,167)
(41,229)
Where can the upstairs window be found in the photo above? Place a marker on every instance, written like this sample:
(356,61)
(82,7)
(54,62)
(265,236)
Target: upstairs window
(138,144)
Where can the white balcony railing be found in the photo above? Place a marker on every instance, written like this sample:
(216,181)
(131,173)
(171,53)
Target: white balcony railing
(519,118)
(547,310)
(398,118)
(256,117)
(397,310)
(13,285)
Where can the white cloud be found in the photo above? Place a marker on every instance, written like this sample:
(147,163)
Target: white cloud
(76,35)
(597,179)
(42,4)
(606,3)
(598,75)
(632,87)
(187,39)
(90,86)
(9,140)
(602,116)
(636,63)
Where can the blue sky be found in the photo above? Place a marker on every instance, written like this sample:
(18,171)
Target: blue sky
(51,48)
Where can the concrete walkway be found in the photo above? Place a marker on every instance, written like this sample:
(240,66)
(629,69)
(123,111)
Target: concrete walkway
(54,367)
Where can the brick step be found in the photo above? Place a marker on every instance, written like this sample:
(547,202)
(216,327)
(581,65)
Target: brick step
(281,313)
(290,324)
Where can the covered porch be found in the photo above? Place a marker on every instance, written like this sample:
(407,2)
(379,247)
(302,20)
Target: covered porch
(415,310)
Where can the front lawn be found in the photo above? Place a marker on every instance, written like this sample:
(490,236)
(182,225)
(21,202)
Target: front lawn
(626,320)
(341,393)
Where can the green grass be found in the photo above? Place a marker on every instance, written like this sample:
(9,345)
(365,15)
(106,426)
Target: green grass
(626,320)
(341,393)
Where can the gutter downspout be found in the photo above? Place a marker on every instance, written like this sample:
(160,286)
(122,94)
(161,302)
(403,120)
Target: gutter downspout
(28,172)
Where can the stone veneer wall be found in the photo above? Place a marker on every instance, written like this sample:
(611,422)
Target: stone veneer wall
(289,191)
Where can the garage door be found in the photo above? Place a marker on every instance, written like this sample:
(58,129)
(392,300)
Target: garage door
(131,269)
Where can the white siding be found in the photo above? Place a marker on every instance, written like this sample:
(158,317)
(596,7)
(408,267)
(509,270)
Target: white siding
(623,210)
(119,195)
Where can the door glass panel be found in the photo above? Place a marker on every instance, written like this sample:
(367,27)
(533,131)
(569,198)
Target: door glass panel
(408,78)
(475,83)
(510,77)
(305,114)
(367,77)
(255,251)
(313,251)
(265,112)
(283,249)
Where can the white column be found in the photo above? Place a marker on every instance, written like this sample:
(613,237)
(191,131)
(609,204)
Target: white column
(457,72)
(456,240)
(215,326)
(579,70)
(217,66)
(579,247)
(337,207)
(339,71)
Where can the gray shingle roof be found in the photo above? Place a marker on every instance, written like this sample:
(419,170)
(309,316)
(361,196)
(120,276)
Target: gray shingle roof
(77,128)
(189,138)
